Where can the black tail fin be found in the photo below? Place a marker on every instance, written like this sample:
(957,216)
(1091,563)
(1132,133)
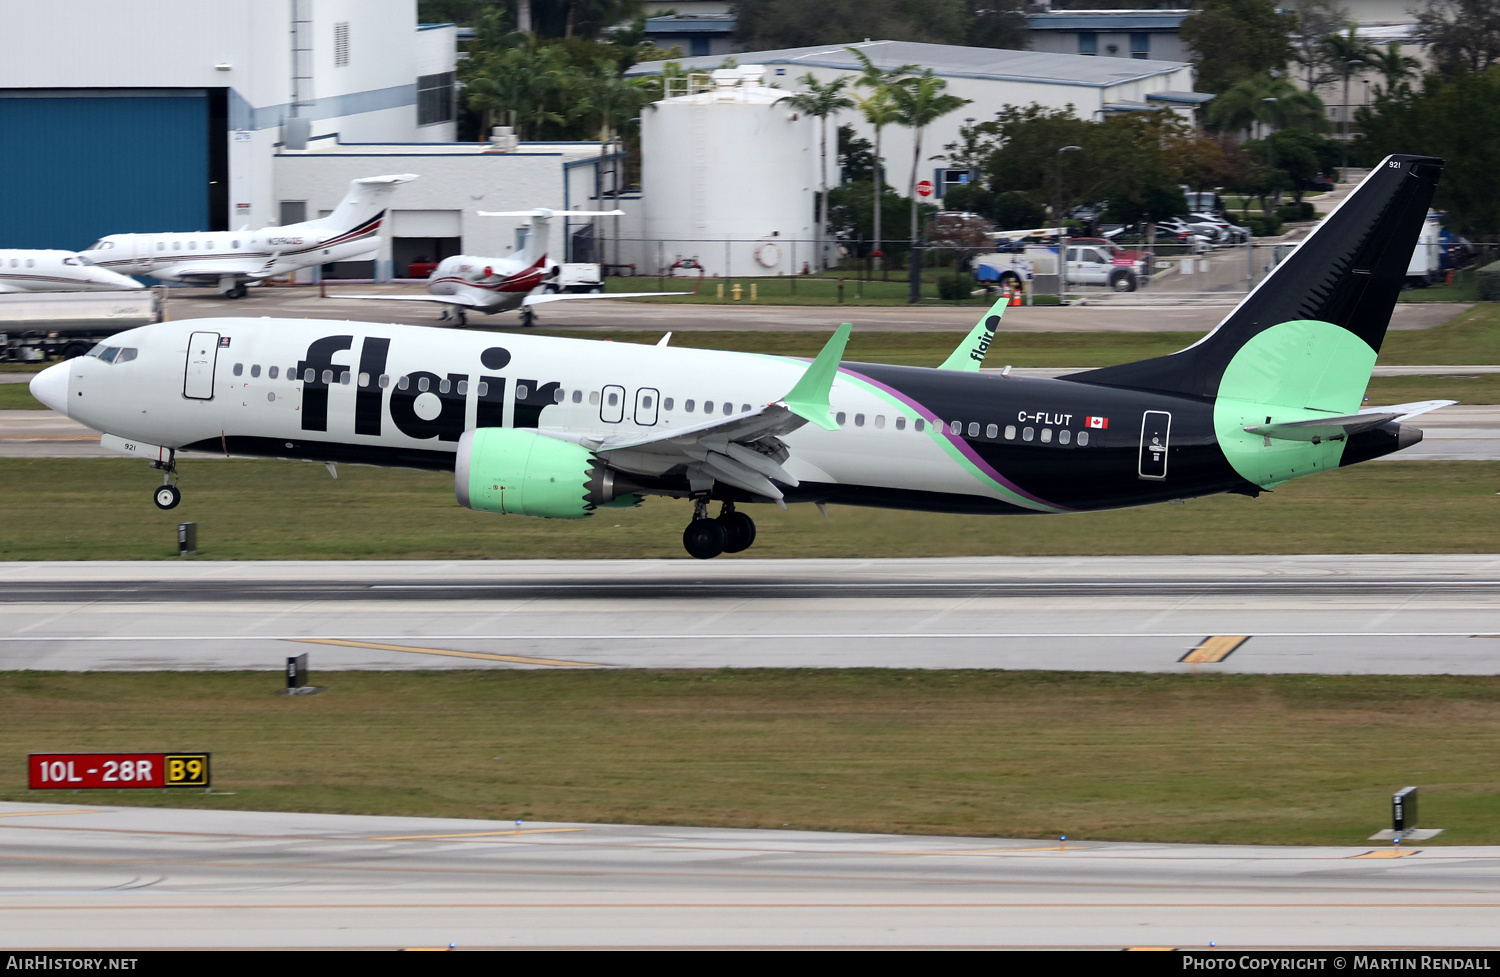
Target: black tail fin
(1348,272)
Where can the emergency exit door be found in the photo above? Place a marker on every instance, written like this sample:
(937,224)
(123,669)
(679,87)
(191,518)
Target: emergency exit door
(202,354)
(1156,427)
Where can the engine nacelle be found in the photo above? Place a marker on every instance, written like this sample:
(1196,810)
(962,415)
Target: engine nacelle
(501,469)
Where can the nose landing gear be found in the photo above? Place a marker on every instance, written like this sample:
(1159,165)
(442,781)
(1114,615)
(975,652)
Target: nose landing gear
(705,538)
(167,495)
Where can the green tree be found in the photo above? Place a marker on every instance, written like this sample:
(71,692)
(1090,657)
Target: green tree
(520,83)
(921,101)
(1461,35)
(1393,66)
(851,214)
(1457,119)
(880,109)
(1250,101)
(1316,19)
(856,157)
(1237,39)
(820,101)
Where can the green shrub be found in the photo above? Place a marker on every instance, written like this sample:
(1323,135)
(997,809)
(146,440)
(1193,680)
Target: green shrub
(1488,282)
(954,288)
(1293,211)
(1264,226)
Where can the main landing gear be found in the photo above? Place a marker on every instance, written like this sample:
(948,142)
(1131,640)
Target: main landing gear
(454,314)
(168,494)
(528,318)
(235,291)
(706,538)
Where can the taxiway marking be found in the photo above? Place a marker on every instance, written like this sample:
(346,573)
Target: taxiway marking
(476,834)
(1214,649)
(516,659)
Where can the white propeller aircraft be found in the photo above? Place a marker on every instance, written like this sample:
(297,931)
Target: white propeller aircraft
(233,259)
(467,282)
(57,271)
(558,428)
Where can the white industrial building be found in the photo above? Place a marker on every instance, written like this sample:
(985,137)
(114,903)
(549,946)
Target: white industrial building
(989,77)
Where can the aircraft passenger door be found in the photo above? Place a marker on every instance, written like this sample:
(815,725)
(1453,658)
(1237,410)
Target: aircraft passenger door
(612,405)
(202,354)
(1156,426)
(646,406)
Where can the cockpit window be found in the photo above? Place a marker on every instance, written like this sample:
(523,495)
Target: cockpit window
(96,350)
(84,261)
(100,245)
(126,355)
(109,354)
(70,261)
(113,354)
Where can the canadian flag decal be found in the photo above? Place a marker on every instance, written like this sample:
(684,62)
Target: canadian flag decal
(1099,422)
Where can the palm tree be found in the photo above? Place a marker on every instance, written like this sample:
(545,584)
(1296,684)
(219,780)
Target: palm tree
(820,101)
(521,80)
(1347,52)
(880,110)
(1245,103)
(607,101)
(1392,65)
(920,101)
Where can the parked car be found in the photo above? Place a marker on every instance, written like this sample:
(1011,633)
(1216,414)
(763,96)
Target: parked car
(1178,230)
(1320,183)
(1143,260)
(1229,233)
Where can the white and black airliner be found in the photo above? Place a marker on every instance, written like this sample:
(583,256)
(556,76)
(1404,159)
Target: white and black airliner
(562,427)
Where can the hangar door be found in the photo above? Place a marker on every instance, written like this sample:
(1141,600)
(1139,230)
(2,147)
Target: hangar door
(82,163)
(424,237)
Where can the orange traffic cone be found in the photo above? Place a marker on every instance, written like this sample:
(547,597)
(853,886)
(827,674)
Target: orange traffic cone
(1005,293)
(1015,296)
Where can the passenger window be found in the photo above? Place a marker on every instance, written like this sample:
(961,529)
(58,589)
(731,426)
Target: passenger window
(523,391)
(209,245)
(593,398)
(973,429)
(900,423)
(859,420)
(879,421)
(728,408)
(1010,432)
(687,405)
(578,396)
(422,385)
(839,418)
(255,370)
(176,245)
(161,246)
(126,355)
(463,388)
(30,262)
(192,245)
(443,385)
(558,395)
(992,432)
(344,378)
(666,404)
(364,379)
(614,398)
(1046,435)
(327,376)
(273,371)
(235,243)
(239,369)
(646,403)
(920,424)
(483,391)
(744,408)
(1064,436)
(1083,438)
(1028,434)
(403,383)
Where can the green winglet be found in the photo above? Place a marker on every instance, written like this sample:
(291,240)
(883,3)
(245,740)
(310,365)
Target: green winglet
(809,398)
(970,352)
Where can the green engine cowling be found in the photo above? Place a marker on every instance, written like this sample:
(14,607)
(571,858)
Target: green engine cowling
(500,469)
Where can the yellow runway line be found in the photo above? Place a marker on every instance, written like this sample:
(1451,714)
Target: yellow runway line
(987,851)
(517,659)
(477,834)
(1214,648)
(1389,853)
(38,814)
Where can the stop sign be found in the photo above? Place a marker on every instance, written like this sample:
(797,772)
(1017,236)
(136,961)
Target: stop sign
(924,188)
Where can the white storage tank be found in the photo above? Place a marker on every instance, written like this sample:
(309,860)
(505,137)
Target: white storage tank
(729,161)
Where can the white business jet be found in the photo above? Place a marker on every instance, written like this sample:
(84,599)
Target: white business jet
(57,271)
(467,282)
(233,259)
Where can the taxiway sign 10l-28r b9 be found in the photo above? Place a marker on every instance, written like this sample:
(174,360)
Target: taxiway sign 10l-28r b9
(562,427)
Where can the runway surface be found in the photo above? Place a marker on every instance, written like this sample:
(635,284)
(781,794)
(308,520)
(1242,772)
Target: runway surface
(1107,316)
(1459,433)
(103,877)
(1407,614)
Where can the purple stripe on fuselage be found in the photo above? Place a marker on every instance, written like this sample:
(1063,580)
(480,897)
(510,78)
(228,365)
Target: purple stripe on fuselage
(956,440)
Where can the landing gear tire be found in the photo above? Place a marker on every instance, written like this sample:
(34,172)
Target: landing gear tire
(166,496)
(461,317)
(703,539)
(236,292)
(739,531)
(528,318)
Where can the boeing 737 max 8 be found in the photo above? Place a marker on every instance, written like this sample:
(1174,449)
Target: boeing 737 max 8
(561,427)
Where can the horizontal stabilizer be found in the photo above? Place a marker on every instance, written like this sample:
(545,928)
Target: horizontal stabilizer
(439,299)
(576,296)
(1318,429)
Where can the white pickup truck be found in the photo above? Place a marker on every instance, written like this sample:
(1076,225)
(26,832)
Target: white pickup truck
(1088,264)
(576,277)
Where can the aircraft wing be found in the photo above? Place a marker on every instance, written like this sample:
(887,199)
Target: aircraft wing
(241,269)
(1317,429)
(440,299)
(570,296)
(745,449)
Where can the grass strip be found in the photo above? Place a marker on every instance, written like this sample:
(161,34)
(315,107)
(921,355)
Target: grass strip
(100,509)
(1174,758)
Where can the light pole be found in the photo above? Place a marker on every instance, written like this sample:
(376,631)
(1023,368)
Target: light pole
(1354,63)
(1270,150)
(1062,241)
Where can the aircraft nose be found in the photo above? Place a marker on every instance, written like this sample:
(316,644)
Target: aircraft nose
(51,387)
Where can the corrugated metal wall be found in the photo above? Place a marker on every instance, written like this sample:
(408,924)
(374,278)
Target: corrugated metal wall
(74,168)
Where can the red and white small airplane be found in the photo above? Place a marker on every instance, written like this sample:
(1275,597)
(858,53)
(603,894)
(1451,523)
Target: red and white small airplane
(490,285)
(56,271)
